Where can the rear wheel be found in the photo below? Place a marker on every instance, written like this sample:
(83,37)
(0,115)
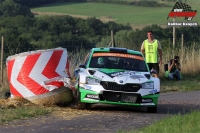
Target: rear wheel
(152,109)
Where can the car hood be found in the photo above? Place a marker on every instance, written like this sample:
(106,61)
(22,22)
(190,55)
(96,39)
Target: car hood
(119,76)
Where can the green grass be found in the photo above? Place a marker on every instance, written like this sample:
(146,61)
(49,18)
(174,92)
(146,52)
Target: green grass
(188,83)
(134,15)
(188,123)
(10,114)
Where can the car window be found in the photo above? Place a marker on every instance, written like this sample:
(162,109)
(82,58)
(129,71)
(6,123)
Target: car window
(133,63)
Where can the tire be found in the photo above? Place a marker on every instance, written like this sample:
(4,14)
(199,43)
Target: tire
(80,105)
(152,109)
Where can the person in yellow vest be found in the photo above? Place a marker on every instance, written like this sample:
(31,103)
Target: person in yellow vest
(151,49)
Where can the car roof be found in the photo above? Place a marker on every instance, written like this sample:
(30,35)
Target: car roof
(115,49)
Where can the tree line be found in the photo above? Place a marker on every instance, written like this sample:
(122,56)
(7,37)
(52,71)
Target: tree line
(21,29)
(32,3)
(23,32)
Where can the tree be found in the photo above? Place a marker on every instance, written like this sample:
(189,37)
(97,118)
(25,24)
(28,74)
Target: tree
(8,8)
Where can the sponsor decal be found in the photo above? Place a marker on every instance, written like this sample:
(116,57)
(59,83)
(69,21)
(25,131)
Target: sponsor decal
(118,55)
(147,100)
(98,78)
(94,100)
(153,91)
(147,104)
(136,76)
(92,96)
(87,87)
(120,74)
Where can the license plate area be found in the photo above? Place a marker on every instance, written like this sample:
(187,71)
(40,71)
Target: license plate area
(121,97)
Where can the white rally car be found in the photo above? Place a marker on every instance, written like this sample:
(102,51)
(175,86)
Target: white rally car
(116,76)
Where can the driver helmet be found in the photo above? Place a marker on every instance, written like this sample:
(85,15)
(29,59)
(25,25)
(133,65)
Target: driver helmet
(101,61)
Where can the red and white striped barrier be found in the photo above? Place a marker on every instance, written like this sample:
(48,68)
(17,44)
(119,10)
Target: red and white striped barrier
(37,72)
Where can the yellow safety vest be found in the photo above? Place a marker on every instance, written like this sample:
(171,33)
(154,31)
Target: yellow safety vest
(151,51)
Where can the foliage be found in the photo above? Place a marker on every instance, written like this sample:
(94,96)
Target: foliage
(33,3)
(133,38)
(28,33)
(9,8)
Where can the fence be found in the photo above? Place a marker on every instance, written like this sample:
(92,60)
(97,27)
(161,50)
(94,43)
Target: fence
(75,46)
(8,49)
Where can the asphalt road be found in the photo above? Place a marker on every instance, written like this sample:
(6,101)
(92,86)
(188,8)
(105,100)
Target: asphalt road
(106,118)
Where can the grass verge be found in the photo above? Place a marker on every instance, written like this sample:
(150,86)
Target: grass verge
(188,123)
(188,83)
(10,114)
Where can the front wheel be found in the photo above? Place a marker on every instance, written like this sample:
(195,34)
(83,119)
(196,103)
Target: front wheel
(81,105)
(152,109)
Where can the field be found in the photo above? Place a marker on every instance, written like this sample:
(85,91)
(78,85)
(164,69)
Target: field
(136,16)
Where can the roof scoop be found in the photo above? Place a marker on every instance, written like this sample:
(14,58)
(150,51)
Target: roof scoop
(92,72)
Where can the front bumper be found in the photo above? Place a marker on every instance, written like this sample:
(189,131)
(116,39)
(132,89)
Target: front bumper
(118,97)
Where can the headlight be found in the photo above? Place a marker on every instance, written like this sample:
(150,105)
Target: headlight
(92,81)
(148,85)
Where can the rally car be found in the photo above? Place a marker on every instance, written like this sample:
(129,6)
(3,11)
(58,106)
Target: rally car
(118,76)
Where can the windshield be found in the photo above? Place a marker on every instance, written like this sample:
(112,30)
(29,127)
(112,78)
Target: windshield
(118,61)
